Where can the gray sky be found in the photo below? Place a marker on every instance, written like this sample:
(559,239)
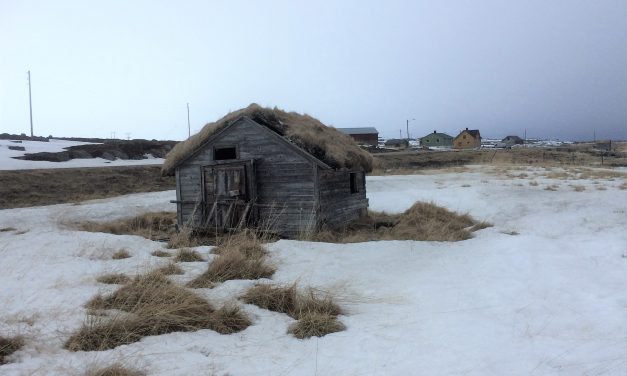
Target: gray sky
(555,67)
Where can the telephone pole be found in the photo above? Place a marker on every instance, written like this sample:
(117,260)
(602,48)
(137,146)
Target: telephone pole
(30,105)
(189,128)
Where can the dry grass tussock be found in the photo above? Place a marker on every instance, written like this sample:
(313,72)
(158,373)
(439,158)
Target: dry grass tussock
(114,279)
(115,370)
(325,143)
(120,254)
(232,264)
(7,229)
(187,255)
(423,221)
(160,253)
(579,188)
(9,345)
(317,316)
(151,305)
(240,256)
(152,226)
(171,269)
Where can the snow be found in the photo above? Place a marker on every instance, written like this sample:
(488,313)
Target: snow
(548,301)
(7,162)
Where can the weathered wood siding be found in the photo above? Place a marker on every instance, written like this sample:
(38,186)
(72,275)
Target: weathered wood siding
(285,180)
(338,205)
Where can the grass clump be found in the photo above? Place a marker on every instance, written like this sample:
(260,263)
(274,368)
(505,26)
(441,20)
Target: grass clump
(187,255)
(171,269)
(9,345)
(160,253)
(113,279)
(120,254)
(246,243)
(7,229)
(152,226)
(314,324)
(115,370)
(151,305)
(232,264)
(423,221)
(317,316)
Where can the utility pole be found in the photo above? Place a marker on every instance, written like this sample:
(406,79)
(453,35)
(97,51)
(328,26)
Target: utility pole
(189,128)
(30,105)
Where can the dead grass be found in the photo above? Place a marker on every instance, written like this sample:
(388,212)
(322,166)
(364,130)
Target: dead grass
(533,183)
(160,253)
(314,324)
(113,279)
(22,188)
(579,188)
(115,370)
(187,255)
(151,305)
(623,186)
(171,269)
(247,243)
(120,254)
(7,229)
(423,221)
(9,345)
(154,226)
(232,264)
(317,316)
(551,187)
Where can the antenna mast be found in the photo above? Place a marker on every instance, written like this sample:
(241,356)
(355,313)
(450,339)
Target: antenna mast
(189,129)
(30,105)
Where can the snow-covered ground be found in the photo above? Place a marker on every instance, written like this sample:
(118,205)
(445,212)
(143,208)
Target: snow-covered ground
(540,293)
(7,162)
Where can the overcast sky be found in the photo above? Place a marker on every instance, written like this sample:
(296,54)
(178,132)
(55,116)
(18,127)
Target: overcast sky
(557,68)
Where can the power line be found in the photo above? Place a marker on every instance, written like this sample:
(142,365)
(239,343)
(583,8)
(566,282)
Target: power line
(30,105)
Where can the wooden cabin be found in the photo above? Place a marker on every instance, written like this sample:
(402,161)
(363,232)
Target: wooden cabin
(363,136)
(284,172)
(467,139)
(436,139)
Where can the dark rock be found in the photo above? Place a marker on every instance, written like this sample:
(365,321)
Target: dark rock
(62,156)
(19,148)
(108,156)
(80,154)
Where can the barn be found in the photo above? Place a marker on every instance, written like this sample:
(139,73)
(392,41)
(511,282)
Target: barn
(285,172)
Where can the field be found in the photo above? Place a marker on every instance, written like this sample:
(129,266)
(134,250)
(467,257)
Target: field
(541,292)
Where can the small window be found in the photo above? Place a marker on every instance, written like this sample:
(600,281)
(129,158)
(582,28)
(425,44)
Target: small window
(464,137)
(221,154)
(353,182)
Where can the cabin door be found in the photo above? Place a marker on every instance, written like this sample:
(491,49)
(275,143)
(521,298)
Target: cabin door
(228,194)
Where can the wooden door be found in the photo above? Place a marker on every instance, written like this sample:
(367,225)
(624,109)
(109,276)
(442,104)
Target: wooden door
(227,194)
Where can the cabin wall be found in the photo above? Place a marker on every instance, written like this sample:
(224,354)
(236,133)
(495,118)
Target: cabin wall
(285,180)
(338,205)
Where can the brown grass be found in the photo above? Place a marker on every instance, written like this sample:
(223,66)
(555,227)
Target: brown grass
(160,253)
(317,316)
(551,187)
(113,279)
(423,221)
(23,188)
(232,264)
(171,269)
(314,324)
(247,243)
(9,345)
(623,186)
(533,183)
(326,143)
(115,370)
(152,226)
(120,254)
(579,188)
(151,305)
(187,255)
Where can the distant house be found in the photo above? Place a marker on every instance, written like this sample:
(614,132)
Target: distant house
(436,139)
(363,135)
(510,141)
(467,139)
(398,143)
